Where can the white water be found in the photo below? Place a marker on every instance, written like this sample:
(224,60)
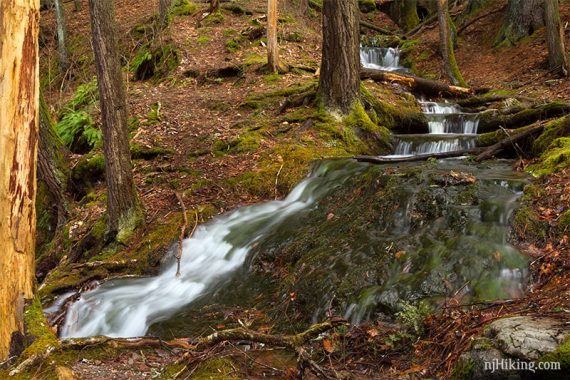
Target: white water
(127,308)
(407,148)
(380,58)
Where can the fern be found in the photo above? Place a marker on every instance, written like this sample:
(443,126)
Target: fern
(93,136)
(85,95)
(78,124)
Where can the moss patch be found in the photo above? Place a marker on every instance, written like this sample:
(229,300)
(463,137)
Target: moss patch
(37,330)
(183,8)
(556,157)
(155,61)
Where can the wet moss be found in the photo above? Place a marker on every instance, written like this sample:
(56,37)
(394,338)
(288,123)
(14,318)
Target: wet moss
(38,332)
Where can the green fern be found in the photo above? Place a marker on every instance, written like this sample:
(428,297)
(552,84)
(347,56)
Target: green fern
(78,124)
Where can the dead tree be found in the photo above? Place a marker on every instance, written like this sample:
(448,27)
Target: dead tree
(123,208)
(446,45)
(339,83)
(19,93)
(61,36)
(557,58)
(272,45)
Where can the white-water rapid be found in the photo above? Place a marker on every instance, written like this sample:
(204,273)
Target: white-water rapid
(380,58)
(126,308)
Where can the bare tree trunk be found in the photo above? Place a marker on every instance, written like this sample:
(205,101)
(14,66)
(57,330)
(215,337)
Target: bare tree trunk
(214,6)
(557,58)
(49,166)
(19,91)
(272,46)
(339,84)
(522,18)
(164,11)
(446,45)
(77,4)
(61,36)
(122,204)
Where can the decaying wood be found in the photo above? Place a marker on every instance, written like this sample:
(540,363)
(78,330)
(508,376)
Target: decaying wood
(417,84)
(491,121)
(495,149)
(419,157)
(19,98)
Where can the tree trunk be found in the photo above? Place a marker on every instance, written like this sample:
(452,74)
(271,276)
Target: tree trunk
(339,83)
(77,4)
(522,18)
(272,46)
(214,6)
(122,204)
(557,59)
(164,12)
(446,45)
(404,13)
(19,92)
(61,36)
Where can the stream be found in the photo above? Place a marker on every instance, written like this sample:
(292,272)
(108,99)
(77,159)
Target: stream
(356,239)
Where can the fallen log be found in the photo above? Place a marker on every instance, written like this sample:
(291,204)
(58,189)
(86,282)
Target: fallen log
(376,28)
(425,86)
(490,121)
(495,149)
(477,101)
(419,157)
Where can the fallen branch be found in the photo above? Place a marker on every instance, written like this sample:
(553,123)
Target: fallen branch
(493,150)
(425,86)
(419,157)
(183,232)
(109,265)
(376,28)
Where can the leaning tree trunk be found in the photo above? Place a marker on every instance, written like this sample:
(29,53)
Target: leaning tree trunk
(122,204)
(19,92)
(522,18)
(164,12)
(339,83)
(61,36)
(557,58)
(272,46)
(446,45)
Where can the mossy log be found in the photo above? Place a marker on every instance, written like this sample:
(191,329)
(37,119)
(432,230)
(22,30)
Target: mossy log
(490,121)
(375,28)
(497,148)
(481,100)
(420,85)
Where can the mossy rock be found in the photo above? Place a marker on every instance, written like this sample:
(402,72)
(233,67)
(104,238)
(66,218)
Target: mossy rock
(89,171)
(556,157)
(552,131)
(155,61)
(560,355)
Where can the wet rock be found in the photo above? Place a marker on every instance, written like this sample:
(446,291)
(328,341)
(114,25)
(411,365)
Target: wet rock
(528,338)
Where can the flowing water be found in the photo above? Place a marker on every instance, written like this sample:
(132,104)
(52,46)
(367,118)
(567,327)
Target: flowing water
(446,223)
(381,58)
(450,129)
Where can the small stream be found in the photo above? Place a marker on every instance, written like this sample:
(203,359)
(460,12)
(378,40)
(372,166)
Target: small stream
(358,238)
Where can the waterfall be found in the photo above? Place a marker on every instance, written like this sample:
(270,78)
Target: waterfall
(380,58)
(127,308)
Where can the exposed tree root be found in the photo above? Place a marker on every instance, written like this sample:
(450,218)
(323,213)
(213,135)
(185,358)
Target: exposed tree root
(495,149)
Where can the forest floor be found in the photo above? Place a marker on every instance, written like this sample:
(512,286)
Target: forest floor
(204,126)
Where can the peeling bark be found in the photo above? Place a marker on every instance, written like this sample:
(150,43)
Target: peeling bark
(19,97)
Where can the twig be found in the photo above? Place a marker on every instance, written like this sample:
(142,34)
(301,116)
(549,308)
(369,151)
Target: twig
(182,233)
(277,178)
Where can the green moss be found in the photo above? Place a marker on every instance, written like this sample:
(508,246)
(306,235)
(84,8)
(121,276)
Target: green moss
(248,142)
(528,225)
(183,8)
(232,45)
(565,219)
(37,330)
(463,369)
(203,40)
(553,130)
(128,223)
(367,6)
(155,61)
(294,37)
(254,59)
(273,77)
(139,151)
(213,19)
(561,355)
(217,368)
(556,157)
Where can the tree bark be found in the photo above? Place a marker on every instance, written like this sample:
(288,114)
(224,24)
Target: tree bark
(521,19)
(19,97)
(214,6)
(272,46)
(77,5)
(557,58)
(164,12)
(446,45)
(122,202)
(61,36)
(404,13)
(339,83)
